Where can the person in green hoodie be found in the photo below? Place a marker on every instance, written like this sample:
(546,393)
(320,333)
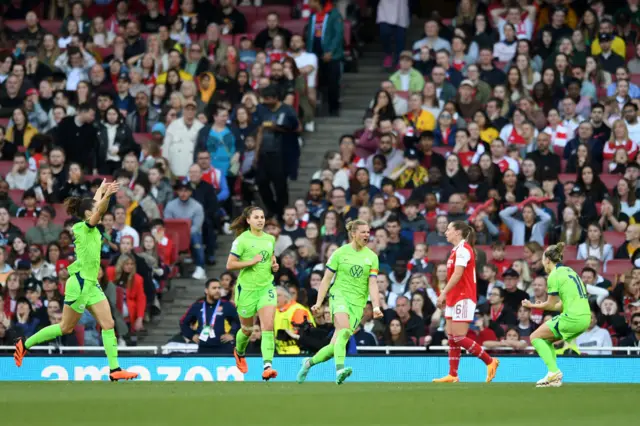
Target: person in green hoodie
(325,38)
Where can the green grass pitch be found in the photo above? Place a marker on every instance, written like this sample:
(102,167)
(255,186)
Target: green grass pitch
(312,404)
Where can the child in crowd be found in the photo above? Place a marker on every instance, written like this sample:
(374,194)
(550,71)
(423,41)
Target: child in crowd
(497,255)
(29,205)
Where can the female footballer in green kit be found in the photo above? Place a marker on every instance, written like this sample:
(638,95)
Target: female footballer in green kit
(252,254)
(82,290)
(355,267)
(567,293)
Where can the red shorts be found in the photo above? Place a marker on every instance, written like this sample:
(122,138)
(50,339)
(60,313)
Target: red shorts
(462,311)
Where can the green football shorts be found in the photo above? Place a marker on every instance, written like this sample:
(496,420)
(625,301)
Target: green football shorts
(80,293)
(338,304)
(568,328)
(249,302)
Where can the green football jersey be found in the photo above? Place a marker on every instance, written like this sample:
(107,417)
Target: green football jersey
(88,244)
(245,247)
(353,269)
(565,283)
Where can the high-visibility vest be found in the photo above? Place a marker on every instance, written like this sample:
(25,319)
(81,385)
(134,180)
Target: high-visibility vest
(282,321)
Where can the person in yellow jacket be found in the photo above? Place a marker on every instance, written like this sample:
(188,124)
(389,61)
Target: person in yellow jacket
(288,313)
(618,46)
(20,126)
(421,120)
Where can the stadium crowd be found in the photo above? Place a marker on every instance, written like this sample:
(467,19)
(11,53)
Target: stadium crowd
(520,117)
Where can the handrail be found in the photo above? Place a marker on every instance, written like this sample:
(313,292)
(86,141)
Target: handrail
(166,349)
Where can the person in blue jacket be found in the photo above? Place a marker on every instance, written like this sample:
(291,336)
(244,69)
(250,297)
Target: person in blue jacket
(216,322)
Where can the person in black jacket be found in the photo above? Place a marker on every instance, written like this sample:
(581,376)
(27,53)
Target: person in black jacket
(79,138)
(216,322)
(265,37)
(115,140)
(205,194)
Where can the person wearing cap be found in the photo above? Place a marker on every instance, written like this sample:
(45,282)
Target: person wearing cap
(513,296)
(123,100)
(608,59)
(411,174)
(143,118)
(184,206)
(617,44)
(325,38)
(467,105)
(407,78)
(180,140)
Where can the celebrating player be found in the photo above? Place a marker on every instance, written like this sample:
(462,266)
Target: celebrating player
(355,268)
(458,299)
(252,254)
(82,289)
(567,293)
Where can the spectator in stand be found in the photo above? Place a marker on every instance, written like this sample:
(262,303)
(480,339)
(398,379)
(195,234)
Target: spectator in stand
(632,237)
(513,296)
(393,18)
(216,322)
(134,215)
(264,38)
(595,245)
(124,275)
(230,19)
(412,324)
(78,137)
(633,339)
(115,141)
(39,267)
(180,140)
(432,38)
(407,78)
(185,207)
(594,337)
(205,194)
(20,176)
(532,227)
(143,118)
(11,96)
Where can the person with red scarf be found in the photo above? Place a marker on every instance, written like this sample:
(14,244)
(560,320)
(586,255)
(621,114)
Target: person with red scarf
(501,315)
(325,35)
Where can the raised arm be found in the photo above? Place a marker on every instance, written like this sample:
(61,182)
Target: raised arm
(507,217)
(100,206)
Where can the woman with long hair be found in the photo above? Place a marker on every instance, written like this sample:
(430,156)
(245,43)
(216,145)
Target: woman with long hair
(383,106)
(559,134)
(75,186)
(589,26)
(595,73)
(610,216)
(102,37)
(568,294)
(626,195)
(544,45)
(505,50)
(458,300)
(589,180)
(355,269)
(515,85)
(24,320)
(395,335)
(490,170)
(333,161)
(82,290)
(595,246)
(529,77)
(619,139)
(252,253)
(488,133)
(125,276)
(522,268)
(579,159)
(20,131)
(570,232)
(19,251)
(533,222)
(430,100)
(455,175)
(48,51)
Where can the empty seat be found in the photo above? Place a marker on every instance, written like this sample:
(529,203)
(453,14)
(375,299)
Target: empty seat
(618,266)
(5,168)
(570,253)
(141,137)
(443,150)
(24,223)
(51,26)
(439,253)
(249,12)
(284,12)
(610,181)
(574,264)
(16,195)
(616,239)
(181,227)
(419,237)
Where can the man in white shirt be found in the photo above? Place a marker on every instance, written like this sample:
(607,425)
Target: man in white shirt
(123,229)
(594,337)
(432,39)
(180,140)
(500,159)
(20,176)
(307,64)
(524,28)
(570,119)
(630,113)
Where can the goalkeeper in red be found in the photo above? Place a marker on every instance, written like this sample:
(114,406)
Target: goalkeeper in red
(355,268)
(83,290)
(566,293)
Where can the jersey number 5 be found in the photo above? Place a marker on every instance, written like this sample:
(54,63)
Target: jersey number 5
(582,288)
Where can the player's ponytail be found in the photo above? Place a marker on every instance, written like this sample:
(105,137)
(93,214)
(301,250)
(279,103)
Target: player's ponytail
(77,206)
(240,224)
(466,230)
(555,253)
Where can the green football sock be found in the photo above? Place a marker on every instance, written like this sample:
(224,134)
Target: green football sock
(267,346)
(110,344)
(547,353)
(324,354)
(340,352)
(242,341)
(44,335)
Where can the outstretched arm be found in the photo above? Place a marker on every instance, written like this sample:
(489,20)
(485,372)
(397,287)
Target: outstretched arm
(101,204)
(553,303)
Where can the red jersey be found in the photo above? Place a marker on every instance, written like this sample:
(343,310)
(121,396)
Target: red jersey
(610,149)
(502,265)
(462,255)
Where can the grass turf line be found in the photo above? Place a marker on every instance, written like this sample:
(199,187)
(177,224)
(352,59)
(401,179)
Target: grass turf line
(312,404)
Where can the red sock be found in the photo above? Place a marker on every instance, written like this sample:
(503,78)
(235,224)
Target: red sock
(454,356)
(473,348)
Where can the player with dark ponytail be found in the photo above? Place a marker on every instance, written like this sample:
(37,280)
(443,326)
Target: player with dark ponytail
(458,300)
(82,290)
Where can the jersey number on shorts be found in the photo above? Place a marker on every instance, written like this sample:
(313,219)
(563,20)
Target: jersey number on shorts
(582,289)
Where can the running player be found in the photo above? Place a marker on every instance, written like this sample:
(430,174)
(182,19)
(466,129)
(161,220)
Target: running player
(82,290)
(355,267)
(252,254)
(458,299)
(567,293)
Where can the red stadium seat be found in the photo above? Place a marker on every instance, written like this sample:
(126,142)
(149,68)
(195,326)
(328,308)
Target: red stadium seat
(553,206)
(61,212)
(284,12)
(558,150)
(295,26)
(4,122)
(443,150)
(567,177)
(249,12)
(181,227)
(16,25)
(227,38)
(141,137)
(16,195)
(402,94)
(51,26)
(576,265)
(610,181)
(616,239)
(439,253)
(513,252)
(79,333)
(563,164)
(635,78)
(5,168)
(570,253)
(104,51)
(24,223)
(419,237)
(618,266)
(406,193)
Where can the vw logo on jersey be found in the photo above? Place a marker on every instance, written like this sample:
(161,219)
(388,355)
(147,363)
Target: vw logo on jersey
(265,255)
(356,271)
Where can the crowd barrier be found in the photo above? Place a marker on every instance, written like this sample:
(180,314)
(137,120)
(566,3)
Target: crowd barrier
(368,368)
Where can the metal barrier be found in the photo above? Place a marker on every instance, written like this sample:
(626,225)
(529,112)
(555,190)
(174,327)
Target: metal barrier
(388,350)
